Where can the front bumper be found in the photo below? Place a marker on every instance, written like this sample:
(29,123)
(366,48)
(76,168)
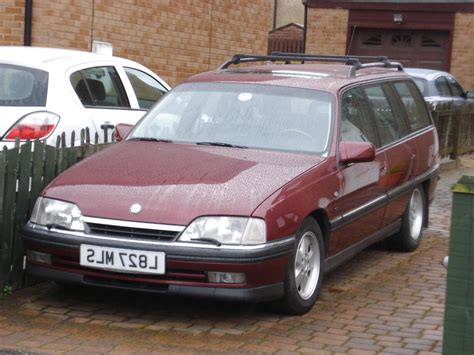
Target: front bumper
(187,265)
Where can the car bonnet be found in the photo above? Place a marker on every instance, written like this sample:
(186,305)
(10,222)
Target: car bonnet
(175,183)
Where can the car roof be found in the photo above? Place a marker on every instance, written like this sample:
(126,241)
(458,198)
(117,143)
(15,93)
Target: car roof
(41,57)
(324,77)
(428,74)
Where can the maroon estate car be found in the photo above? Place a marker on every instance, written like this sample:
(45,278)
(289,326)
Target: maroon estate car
(246,183)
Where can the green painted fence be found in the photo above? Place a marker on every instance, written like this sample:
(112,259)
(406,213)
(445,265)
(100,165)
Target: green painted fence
(24,171)
(458,337)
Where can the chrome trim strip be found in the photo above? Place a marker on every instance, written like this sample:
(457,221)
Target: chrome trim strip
(168,244)
(366,206)
(346,217)
(130,224)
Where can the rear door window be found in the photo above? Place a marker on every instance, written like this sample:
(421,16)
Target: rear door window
(456,89)
(147,89)
(22,86)
(100,87)
(415,107)
(442,86)
(390,122)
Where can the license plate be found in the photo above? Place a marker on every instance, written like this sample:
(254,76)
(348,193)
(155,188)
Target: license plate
(122,260)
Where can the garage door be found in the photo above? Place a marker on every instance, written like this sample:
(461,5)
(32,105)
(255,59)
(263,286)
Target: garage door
(421,49)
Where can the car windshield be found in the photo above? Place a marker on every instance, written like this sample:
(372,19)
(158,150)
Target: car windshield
(22,86)
(243,116)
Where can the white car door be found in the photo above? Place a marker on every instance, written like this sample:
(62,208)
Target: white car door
(102,93)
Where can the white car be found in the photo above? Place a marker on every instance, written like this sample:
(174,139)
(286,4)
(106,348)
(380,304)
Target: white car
(47,91)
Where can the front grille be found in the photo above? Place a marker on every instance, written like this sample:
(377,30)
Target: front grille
(131,232)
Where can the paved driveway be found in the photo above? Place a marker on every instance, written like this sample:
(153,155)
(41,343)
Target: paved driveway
(379,302)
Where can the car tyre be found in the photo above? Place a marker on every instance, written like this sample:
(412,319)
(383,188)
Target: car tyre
(305,269)
(413,220)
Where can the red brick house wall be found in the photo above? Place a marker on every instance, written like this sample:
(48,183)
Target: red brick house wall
(11,22)
(174,38)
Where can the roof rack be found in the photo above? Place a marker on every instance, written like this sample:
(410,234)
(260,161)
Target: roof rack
(354,61)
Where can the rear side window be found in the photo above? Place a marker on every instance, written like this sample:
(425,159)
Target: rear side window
(442,86)
(454,86)
(22,86)
(99,87)
(390,123)
(356,123)
(418,116)
(146,88)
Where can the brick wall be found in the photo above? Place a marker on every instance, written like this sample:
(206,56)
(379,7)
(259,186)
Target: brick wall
(327,31)
(239,27)
(11,22)
(174,38)
(62,23)
(463,50)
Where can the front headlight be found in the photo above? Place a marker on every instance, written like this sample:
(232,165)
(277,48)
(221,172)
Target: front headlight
(59,214)
(226,230)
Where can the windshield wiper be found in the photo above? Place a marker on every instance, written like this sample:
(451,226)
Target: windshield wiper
(221,144)
(208,240)
(150,139)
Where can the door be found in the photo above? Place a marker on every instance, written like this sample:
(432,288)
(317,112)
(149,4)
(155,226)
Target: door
(412,48)
(400,150)
(104,98)
(361,203)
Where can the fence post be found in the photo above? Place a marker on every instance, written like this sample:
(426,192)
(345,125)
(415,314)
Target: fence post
(11,174)
(457,133)
(21,213)
(3,237)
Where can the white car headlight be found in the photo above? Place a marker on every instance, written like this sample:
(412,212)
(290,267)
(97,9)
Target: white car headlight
(226,230)
(59,214)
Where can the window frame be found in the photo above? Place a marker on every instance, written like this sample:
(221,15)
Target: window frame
(163,89)
(116,81)
(453,83)
(401,109)
(369,119)
(396,110)
(416,95)
(435,82)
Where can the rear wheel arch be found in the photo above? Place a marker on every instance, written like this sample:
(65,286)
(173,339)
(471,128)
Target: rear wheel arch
(425,185)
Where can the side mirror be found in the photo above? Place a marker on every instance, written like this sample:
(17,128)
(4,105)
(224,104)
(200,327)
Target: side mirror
(356,152)
(469,94)
(121,131)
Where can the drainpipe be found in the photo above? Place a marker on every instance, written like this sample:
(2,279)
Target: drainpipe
(28,22)
(275,7)
(305,3)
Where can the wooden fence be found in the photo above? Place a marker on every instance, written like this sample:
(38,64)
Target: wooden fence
(455,125)
(24,171)
(285,45)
